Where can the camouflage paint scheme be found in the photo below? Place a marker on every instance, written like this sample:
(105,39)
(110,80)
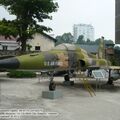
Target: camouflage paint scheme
(62,57)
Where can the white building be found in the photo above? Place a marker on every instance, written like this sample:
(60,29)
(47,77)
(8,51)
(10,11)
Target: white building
(41,42)
(86,30)
(8,44)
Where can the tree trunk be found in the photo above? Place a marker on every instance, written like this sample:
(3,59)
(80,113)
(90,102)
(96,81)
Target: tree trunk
(23,45)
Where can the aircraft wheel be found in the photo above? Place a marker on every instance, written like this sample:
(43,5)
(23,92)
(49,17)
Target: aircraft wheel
(66,77)
(110,82)
(52,86)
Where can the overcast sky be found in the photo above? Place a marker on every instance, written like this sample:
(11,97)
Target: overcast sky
(99,13)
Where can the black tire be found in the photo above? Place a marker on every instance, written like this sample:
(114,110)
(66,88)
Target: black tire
(110,82)
(67,78)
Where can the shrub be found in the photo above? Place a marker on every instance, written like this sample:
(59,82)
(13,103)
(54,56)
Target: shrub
(21,74)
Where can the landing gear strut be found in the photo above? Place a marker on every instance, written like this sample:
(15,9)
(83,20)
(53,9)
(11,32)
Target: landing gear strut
(52,85)
(67,81)
(110,81)
(66,77)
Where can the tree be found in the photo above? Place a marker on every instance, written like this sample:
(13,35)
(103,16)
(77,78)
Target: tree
(59,40)
(80,40)
(28,13)
(65,38)
(109,42)
(7,28)
(117,55)
(89,42)
(117,48)
(97,41)
(28,47)
(105,41)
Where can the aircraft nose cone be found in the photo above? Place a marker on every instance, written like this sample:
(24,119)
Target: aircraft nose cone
(10,63)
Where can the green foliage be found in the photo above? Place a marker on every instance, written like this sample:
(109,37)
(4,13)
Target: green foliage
(117,48)
(21,74)
(7,28)
(68,38)
(113,61)
(28,13)
(109,42)
(65,38)
(88,42)
(28,47)
(105,41)
(80,40)
(117,55)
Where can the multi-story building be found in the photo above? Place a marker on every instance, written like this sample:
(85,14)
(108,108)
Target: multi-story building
(86,30)
(117,22)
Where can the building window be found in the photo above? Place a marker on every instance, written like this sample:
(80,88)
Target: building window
(37,48)
(5,47)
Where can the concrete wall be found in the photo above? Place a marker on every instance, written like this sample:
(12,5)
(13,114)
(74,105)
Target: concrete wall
(44,42)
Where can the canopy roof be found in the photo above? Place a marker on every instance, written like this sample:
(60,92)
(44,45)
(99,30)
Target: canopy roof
(65,46)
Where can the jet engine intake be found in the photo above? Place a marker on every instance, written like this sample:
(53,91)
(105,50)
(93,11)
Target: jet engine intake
(82,63)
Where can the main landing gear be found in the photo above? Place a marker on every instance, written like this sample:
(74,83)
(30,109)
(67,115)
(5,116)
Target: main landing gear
(67,81)
(110,81)
(66,77)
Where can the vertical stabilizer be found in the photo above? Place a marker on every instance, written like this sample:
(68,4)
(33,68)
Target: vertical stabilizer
(101,49)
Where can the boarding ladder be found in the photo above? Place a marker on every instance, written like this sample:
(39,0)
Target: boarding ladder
(81,76)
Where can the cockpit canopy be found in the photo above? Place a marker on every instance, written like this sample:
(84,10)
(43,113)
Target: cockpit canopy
(65,46)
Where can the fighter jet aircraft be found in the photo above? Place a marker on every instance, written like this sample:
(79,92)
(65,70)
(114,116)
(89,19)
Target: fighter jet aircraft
(64,57)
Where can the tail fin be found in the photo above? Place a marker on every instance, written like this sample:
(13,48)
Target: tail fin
(101,50)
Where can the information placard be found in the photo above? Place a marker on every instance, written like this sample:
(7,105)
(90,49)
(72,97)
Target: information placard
(98,74)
